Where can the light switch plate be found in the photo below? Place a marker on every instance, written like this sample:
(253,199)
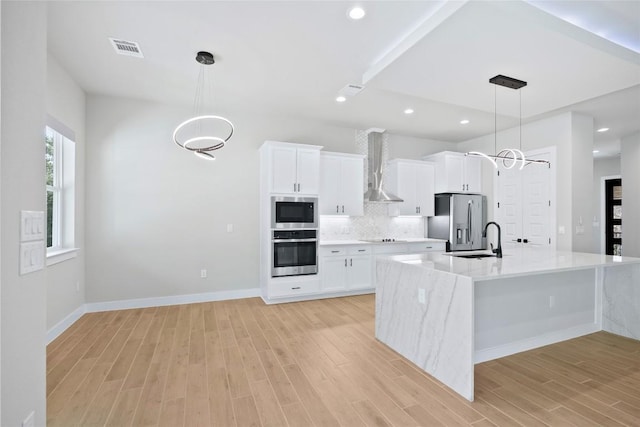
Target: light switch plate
(31,226)
(31,257)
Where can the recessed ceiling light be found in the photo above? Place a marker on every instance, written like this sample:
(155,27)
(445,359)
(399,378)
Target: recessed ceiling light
(464,122)
(341,99)
(408,111)
(356,13)
(596,151)
(603,129)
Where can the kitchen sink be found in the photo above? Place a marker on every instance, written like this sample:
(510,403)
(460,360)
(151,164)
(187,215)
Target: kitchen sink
(478,256)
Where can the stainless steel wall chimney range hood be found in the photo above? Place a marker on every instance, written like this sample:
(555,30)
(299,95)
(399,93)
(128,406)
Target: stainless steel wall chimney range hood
(375,192)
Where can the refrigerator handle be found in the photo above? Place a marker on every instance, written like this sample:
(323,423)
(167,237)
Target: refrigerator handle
(469,221)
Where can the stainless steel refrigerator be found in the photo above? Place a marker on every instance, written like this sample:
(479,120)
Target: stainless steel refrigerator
(459,219)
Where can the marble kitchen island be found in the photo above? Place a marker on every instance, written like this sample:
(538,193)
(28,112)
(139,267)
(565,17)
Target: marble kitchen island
(446,313)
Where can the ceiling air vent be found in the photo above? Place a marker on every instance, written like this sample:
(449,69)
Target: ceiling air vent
(351,90)
(128,48)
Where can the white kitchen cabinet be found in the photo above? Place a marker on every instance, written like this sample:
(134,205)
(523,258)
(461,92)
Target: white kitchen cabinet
(412,181)
(292,168)
(345,268)
(341,184)
(456,173)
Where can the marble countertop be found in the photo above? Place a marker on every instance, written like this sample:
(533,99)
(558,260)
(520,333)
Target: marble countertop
(367,242)
(515,262)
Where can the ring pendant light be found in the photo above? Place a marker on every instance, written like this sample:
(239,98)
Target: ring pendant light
(201,134)
(510,157)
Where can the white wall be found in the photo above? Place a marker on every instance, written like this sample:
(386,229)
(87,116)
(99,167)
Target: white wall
(630,159)
(407,147)
(582,194)
(23,311)
(66,103)
(607,166)
(156,214)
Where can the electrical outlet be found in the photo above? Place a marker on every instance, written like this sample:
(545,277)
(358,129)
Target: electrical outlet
(203,273)
(561,229)
(421,296)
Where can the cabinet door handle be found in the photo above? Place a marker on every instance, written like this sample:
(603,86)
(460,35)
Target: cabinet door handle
(294,187)
(462,187)
(342,208)
(334,252)
(295,287)
(351,262)
(345,262)
(337,208)
(362,250)
(298,187)
(419,209)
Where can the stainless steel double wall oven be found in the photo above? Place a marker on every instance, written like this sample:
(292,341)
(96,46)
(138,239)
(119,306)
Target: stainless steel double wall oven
(294,236)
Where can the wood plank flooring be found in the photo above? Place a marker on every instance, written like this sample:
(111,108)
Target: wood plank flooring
(243,363)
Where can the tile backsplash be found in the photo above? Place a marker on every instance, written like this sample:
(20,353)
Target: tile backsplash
(375,224)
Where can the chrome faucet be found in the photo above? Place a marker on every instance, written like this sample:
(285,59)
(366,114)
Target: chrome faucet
(498,250)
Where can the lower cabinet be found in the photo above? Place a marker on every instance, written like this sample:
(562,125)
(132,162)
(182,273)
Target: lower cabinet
(345,268)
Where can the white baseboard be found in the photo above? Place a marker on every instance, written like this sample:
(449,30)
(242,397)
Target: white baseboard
(171,300)
(94,307)
(534,342)
(65,323)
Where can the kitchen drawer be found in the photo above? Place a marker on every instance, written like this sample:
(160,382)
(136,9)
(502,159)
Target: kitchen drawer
(425,247)
(332,250)
(290,288)
(359,250)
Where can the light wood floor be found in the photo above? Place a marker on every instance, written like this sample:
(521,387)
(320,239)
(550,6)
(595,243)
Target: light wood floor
(314,363)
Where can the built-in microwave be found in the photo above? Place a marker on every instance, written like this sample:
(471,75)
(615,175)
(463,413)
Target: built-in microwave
(294,252)
(294,212)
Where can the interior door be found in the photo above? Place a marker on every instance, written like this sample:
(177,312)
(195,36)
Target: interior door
(508,212)
(536,204)
(524,209)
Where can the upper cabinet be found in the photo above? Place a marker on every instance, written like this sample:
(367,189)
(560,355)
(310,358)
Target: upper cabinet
(341,184)
(291,168)
(456,173)
(413,182)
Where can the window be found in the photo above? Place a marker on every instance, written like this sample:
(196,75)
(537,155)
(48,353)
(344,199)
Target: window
(60,193)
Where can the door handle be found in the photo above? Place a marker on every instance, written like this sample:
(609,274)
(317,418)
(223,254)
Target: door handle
(525,240)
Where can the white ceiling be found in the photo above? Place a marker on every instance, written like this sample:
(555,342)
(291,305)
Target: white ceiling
(433,56)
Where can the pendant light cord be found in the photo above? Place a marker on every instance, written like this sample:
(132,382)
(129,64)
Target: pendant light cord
(495,119)
(521,121)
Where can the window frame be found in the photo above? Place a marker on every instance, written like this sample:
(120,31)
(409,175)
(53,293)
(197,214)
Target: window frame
(56,190)
(63,192)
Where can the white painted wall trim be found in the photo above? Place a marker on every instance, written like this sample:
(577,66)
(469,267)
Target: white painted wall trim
(171,300)
(65,323)
(94,307)
(603,206)
(497,352)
